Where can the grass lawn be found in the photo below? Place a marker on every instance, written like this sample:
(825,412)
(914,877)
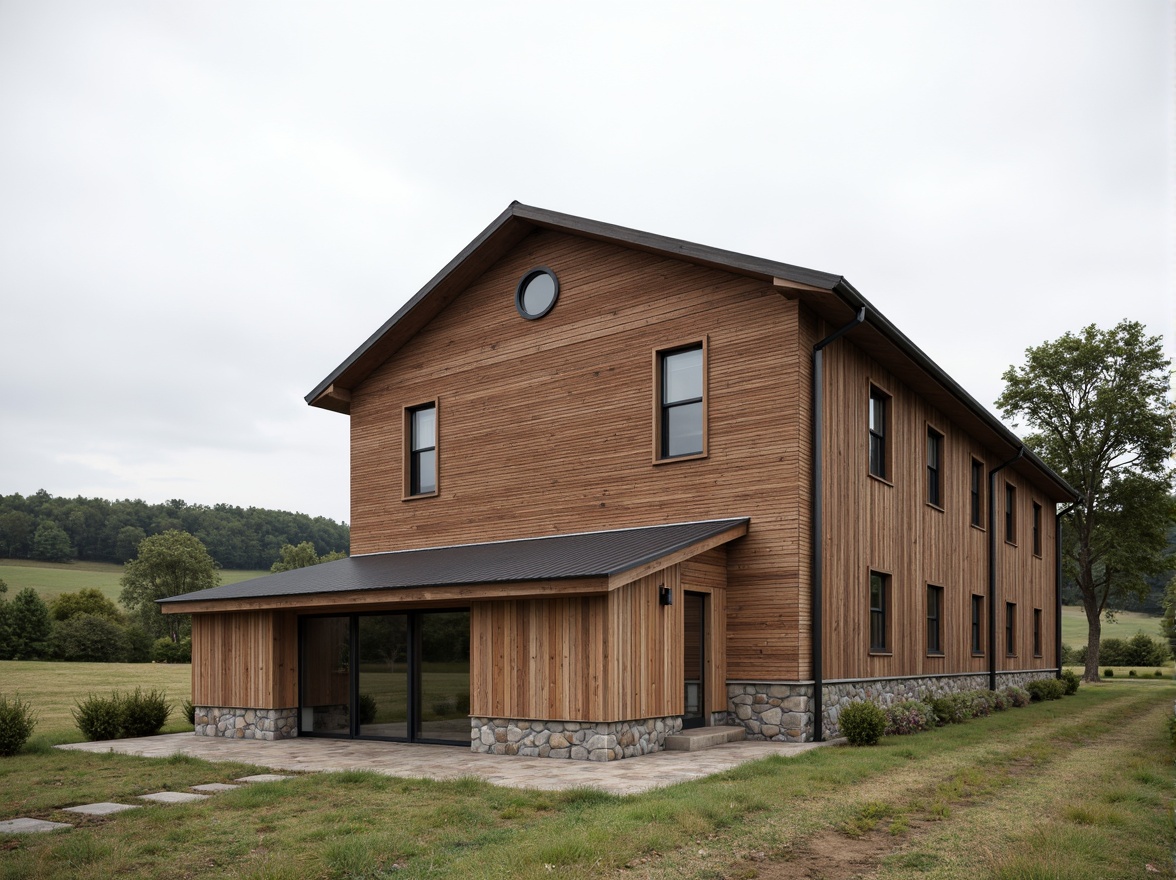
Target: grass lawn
(51,579)
(1074,789)
(1127,624)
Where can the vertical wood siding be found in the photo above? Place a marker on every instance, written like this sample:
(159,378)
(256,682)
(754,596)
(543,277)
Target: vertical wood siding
(246,659)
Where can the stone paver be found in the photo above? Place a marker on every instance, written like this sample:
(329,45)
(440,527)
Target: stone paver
(101,809)
(30,826)
(215,786)
(306,754)
(173,797)
(264,777)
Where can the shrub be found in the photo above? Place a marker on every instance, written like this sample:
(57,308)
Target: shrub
(143,714)
(1108,673)
(981,703)
(99,717)
(1000,700)
(167,651)
(1047,689)
(862,723)
(17,720)
(367,706)
(951,709)
(1071,680)
(88,638)
(909,716)
(1131,673)
(189,711)
(1158,674)
(139,644)
(1143,650)
(1018,696)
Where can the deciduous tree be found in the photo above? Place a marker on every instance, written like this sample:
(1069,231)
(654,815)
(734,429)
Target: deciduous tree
(302,556)
(1097,403)
(168,564)
(51,543)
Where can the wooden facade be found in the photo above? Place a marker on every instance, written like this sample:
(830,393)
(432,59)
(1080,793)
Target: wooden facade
(543,428)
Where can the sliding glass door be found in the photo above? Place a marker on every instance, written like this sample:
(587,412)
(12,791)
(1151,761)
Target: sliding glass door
(402,676)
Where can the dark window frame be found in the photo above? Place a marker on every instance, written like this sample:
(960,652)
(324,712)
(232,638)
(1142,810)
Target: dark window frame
(1010,629)
(880,642)
(934,621)
(414,456)
(1010,527)
(977,494)
(661,409)
(1036,529)
(977,625)
(878,421)
(935,448)
(1036,632)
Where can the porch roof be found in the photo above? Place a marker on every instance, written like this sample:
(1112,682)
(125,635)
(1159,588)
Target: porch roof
(614,557)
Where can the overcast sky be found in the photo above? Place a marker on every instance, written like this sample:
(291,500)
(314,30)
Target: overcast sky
(205,207)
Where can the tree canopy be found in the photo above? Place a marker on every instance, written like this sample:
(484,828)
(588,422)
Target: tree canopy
(1097,403)
(168,564)
(302,556)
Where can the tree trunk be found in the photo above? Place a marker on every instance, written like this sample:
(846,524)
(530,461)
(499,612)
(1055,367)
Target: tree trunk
(1094,637)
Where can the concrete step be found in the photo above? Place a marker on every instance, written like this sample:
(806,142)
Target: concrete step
(698,738)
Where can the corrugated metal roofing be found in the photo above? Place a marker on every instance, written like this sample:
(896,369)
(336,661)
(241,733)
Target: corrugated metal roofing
(555,557)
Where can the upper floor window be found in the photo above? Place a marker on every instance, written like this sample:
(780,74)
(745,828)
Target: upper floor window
(934,467)
(879,612)
(977,625)
(879,418)
(537,293)
(934,620)
(421,432)
(977,493)
(1036,529)
(1010,513)
(681,416)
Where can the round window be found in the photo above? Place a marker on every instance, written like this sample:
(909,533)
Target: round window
(537,292)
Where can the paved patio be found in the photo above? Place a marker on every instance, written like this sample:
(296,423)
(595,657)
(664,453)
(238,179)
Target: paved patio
(630,776)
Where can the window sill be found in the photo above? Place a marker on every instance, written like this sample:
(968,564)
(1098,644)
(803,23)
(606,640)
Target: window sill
(1037,556)
(881,480)
(935,655)
(977,653)
(1010,543)
(695,457)
(934,506)
(418,497)
(1037,656)
(978,528)
(881,653)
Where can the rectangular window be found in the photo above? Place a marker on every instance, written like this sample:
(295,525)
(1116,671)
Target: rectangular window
(879,404)
(1010,629)
(977,624)
(977,493)
(879,613)
(934,620)
(1010,513)
(1036,529)
(421,430)
(934,467)
(1036,632)
(681,402)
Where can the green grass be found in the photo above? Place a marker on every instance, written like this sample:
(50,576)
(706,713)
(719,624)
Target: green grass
(1076,788)
(51,579)
(1127,624)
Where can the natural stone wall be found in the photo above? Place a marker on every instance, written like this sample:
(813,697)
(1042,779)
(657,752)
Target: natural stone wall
(782,711)
(268,724)
(573,740)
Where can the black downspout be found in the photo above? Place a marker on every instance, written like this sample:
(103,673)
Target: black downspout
(1058,583)
(992,566)
(818,517)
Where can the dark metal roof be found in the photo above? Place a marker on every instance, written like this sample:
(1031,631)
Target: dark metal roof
(555,557)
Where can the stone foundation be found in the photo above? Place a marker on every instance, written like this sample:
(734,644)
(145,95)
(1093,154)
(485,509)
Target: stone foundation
(782,711)
(572,740)
(267,724)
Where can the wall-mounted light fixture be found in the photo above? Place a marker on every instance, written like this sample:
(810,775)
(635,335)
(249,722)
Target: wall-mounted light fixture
(665,595)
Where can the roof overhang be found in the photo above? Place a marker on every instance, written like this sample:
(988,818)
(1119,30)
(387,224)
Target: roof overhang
(581,564)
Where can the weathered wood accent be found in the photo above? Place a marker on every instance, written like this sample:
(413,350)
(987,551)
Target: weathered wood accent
(245,659)
(888,526)
(547,426)
(604,658)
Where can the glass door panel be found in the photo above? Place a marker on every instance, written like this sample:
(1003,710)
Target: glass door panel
(383,675)
(326,676)
(444,676)
(694,659)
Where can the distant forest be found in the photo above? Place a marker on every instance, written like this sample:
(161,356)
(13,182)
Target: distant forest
(40,526)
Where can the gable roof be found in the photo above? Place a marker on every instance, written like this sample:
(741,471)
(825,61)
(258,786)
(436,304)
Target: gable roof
(611,558)
(831,297)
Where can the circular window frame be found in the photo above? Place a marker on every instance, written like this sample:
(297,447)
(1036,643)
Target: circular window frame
(527,278)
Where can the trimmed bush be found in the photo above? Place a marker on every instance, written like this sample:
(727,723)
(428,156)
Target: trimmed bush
(189,711)
(1047,689)
(1000,700)
(951,708)
(1018,696)
(1131,673)
(1071,680)
(862,723)
(1157,674)
(144,714)
(909,716)
(983,703)
(17,720)
(1108,673)
(99,718)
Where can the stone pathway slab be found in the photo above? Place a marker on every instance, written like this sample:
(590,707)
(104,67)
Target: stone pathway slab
(174,797)
(264,777)
(215,786)
(30,826)
(102,809)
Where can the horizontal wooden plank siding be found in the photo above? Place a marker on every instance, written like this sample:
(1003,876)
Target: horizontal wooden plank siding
(547,426)
(245,659)
(888,526)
